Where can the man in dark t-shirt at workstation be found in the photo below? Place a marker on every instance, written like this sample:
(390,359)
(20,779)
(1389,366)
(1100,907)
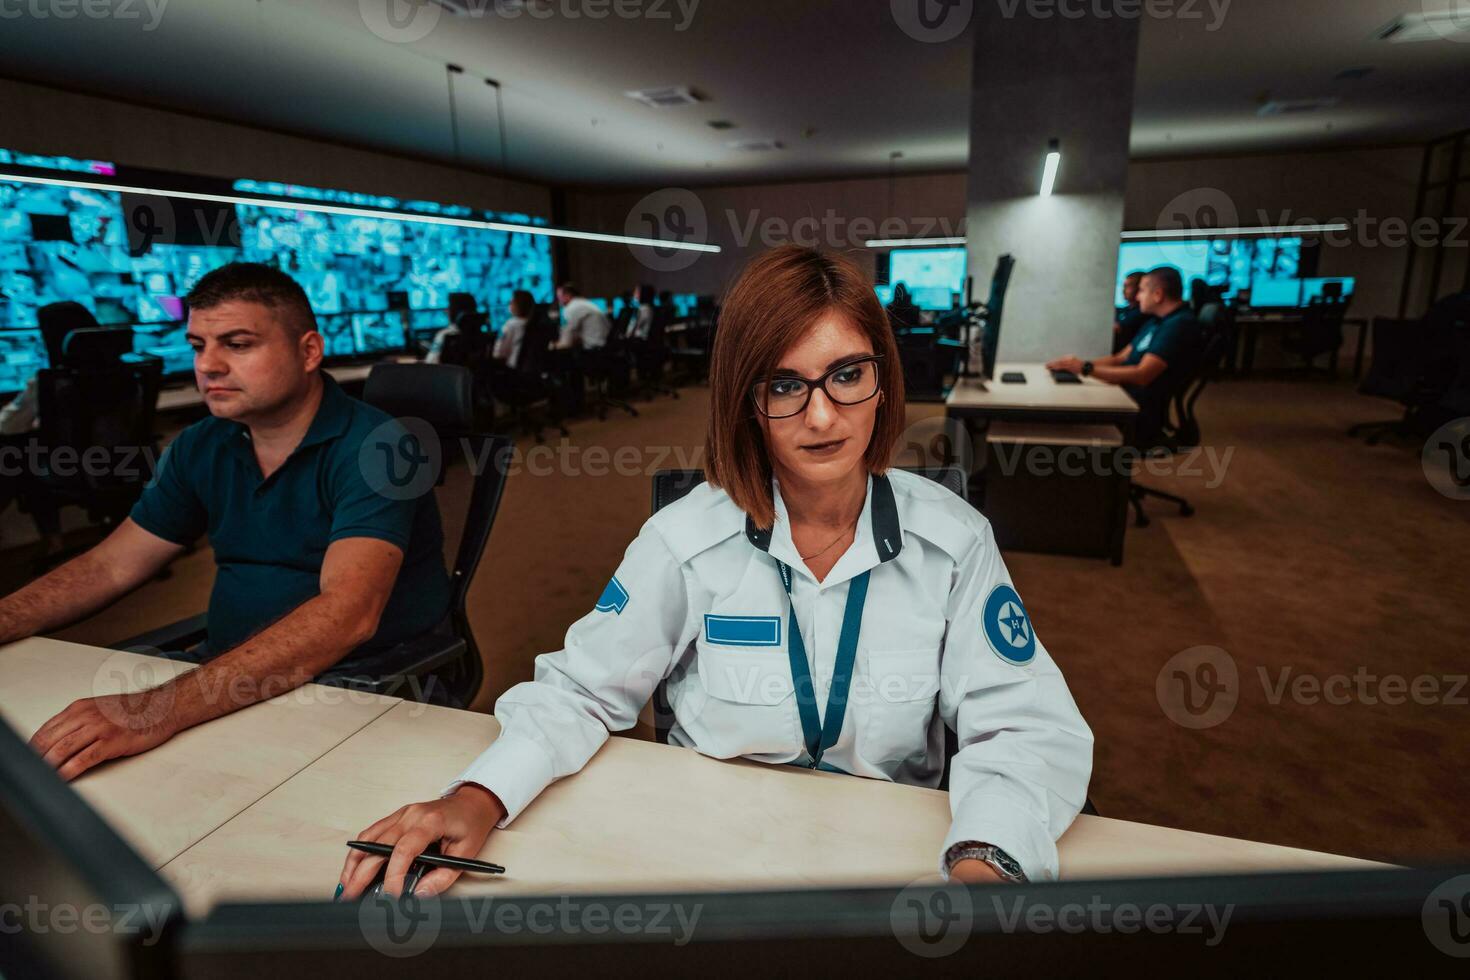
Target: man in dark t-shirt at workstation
(1165,351)
(321,567)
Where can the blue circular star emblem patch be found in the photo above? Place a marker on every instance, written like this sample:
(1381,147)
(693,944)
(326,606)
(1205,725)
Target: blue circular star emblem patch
(1007,627)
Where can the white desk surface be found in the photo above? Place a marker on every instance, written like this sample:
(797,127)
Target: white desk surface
(165,800)
(1039,392)
(173,399)
(646,817)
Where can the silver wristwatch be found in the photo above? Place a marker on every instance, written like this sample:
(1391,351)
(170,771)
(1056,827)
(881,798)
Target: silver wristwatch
(970,850)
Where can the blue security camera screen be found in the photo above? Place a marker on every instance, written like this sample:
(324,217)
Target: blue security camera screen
(63,243)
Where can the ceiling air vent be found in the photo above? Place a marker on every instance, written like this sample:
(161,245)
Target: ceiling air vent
(665,98)
(1432,25)
(1286,107)
(757,146)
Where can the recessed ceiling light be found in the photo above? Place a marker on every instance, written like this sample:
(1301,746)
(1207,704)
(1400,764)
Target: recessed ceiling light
(1432,25)
(665,98)
(760,145)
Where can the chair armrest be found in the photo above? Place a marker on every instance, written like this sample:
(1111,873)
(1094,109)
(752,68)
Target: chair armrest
(175,636)
(410,659)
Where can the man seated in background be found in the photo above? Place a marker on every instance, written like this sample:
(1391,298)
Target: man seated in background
(1166,350)
(323,563)
(583,324)
(1130,319)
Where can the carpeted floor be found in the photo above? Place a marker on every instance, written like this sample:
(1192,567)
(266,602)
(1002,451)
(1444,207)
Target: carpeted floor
(1316,555)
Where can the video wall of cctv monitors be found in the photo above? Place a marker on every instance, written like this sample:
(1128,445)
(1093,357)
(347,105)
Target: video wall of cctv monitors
(130,258)
(1274,272)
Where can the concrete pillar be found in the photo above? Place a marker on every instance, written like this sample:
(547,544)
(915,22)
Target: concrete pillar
(1036,79)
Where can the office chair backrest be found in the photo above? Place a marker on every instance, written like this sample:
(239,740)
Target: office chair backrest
(440,394)
(110,406)
(96,345)
(443,396)
(541,332)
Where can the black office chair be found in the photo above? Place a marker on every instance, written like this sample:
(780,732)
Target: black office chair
(537,379)
(1318,333)
(697,341)
(1415,364)
(1181,429)
(93,401)
(650,355)
(442,666)
(607,369)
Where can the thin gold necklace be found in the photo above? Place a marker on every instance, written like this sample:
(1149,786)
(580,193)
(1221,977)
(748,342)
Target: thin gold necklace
(834,541)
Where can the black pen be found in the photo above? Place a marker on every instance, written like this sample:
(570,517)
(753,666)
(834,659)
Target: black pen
(437,860)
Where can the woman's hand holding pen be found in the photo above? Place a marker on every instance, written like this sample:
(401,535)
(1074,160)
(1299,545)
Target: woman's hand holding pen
(461,823)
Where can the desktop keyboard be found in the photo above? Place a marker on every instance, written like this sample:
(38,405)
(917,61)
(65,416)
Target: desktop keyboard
(1066,378)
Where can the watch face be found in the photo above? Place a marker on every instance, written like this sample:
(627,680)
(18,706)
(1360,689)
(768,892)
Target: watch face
(1007,863)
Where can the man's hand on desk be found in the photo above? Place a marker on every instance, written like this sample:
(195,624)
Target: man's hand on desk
(94,730)
(461,823)
(1073,364)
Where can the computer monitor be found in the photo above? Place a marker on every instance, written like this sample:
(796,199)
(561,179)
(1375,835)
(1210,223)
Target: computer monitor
(22,354)
(166,342)
(378,333)
(58,855)
(931,297)
(941,269)
(1306,923)
(1276,293)
(337,334)
(1316,288)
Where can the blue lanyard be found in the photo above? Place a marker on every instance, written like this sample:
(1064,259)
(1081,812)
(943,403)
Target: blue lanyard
(820,737)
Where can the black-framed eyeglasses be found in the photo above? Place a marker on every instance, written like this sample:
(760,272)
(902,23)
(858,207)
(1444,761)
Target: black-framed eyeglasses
(849,383)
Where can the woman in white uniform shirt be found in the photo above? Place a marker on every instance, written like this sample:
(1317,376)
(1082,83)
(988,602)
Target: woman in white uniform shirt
(808,608)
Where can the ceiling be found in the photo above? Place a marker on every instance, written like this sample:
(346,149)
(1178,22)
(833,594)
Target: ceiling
(837,82)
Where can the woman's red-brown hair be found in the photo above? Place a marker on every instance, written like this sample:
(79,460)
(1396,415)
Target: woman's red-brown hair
(779,296)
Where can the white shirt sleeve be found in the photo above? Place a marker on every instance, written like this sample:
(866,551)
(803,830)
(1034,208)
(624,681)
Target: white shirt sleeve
(436,349)
(19,415)
(1020,776)
(613,659)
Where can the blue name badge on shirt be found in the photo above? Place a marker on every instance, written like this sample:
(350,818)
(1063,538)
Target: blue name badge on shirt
(743,631)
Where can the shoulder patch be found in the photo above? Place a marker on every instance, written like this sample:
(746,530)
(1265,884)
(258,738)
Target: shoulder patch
(614,597)
(1007,627)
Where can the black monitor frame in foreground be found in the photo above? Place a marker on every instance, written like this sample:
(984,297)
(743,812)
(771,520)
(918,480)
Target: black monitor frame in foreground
(75,899)
(58,854)
(1309,924)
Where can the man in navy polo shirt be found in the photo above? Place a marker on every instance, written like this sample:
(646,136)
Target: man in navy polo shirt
(324,561)
(1166,350)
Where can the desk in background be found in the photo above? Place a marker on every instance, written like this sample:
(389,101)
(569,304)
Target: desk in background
(1038,401)
(1250,324)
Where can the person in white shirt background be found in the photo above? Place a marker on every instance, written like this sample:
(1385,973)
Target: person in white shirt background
(460,305)
(583,324)
(641,326)
(513,333)
(807,607)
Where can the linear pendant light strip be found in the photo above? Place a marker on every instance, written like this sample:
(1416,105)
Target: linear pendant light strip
(589,236)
